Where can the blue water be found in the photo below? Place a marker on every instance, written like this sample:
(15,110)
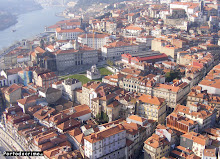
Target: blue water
(29,25)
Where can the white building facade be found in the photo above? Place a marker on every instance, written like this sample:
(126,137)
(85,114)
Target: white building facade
(95,41)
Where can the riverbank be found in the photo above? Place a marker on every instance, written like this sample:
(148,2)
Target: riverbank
(29,25)
(9,11)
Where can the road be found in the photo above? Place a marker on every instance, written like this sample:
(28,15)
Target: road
(5,147)
(10,144)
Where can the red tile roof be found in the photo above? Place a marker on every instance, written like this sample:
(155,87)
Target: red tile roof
(151,99)
(29,99)
(12,88)
(59,30)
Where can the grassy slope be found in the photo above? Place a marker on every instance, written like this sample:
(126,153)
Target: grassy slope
(84,79)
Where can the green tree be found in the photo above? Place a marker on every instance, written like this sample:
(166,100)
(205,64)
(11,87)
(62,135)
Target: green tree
(110,63)
(170,76)
(102,118)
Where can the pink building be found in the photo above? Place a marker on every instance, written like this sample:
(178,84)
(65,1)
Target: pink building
(46,80)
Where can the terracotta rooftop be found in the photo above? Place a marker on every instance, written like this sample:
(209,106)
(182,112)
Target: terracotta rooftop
(198,138)
(39,50)
(69,124)
(13,71)
(209,152)
(151,99)
(12,88)
(156,141)
(95,137)
(29,99)
(59,30)
(131,27)
(117,44)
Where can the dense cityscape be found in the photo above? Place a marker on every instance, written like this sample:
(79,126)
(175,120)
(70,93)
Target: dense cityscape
(115,80)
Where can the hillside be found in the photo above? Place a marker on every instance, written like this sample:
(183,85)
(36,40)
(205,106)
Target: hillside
(84,4)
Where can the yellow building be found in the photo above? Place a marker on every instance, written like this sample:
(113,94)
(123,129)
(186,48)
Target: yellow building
(12,94)
(152,107)
(156,147)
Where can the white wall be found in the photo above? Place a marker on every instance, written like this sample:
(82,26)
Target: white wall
(211,90)
(85,117)
(13,79)
(42,94)
(24,59)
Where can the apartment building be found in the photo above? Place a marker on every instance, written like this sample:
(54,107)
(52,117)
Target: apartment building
(88,92)
(170,134)
(202,114)
(132,30)
(28,101)
(128,103)
(95,41)
(109,104)
(68,34)
(145,41)
(12,94)
(173,94)
(197,95)
(213,133)
(198,67)
(64,24)
(189,7)
(163,46)
(117,139)
(151,85)
(211,81)
(46,80)
(144,122)
(113,79)
(139,84)
(3,81)
(11,76)
(37,72)
(209,153)
(68,88)
(195,142)
(181,124)
(152,108)
(108,143)
(156,147)
(116,49)
(194,74)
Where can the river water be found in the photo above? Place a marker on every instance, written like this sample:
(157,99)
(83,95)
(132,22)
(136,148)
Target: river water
(29,25)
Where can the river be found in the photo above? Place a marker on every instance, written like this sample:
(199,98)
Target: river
(29,25)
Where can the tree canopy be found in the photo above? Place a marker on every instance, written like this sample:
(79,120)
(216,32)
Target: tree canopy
(170,76)
(102,118)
